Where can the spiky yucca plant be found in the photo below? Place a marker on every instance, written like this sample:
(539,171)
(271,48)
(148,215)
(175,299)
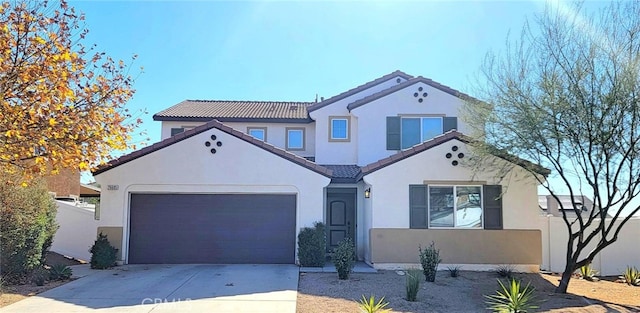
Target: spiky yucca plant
(513,299)
(371,306)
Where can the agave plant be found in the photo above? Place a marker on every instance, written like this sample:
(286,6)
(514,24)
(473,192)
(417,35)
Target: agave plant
(371,306)
(632,276)
(512,299)
(587,272)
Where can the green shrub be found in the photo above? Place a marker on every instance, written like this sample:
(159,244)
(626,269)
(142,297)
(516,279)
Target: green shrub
(505,271)
(344,258)
(412,284)
(39,276)
(587,272)
(60,272)
(513,299)
(632,276)
(454,271)
(103,254)
(429,258)
(311,245)
(371,306)
(27,227)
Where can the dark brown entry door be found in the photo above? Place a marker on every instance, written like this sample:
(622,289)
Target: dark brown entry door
(341,216)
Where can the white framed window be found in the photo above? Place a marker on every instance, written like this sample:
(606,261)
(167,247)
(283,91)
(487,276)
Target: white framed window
(415,130)
(455,206)
(339,128)
(258,132)
(295,138)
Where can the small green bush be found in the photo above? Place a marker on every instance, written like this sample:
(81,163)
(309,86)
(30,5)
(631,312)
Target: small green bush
(371,306)
(60,272)
(344,258)
(413,284)
(513,299)
(27,227)
(505,271)
(429,258)
(632,276)
(311,245)
(454,271)
(103,254)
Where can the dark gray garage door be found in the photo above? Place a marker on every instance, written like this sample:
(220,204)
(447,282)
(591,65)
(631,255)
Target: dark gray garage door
(200,228)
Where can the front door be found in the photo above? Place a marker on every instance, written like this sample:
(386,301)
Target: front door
(341,216)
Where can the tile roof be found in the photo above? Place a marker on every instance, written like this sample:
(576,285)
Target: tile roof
(408,83)
(230,111)
(360,88)
(344,173)
(202,128)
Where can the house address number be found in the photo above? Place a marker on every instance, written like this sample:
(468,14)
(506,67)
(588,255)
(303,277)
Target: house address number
(112,187)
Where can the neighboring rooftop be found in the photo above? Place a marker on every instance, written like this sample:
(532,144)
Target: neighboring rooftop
(232,111)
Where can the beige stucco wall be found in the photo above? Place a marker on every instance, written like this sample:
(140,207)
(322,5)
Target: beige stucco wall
(276,133)
(189,167)
(372,117)
(390,187)
(114,235)
(457,246)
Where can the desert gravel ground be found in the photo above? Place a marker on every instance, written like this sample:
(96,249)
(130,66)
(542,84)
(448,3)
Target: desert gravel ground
(323,292)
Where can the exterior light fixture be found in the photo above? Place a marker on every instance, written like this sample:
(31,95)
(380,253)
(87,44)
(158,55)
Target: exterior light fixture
(367,193)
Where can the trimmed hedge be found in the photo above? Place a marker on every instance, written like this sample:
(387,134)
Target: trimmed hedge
(311,245)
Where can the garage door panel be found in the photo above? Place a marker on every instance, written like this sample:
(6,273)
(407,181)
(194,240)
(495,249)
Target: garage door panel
(197,228)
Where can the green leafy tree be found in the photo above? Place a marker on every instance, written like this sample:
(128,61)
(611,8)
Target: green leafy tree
(566,96)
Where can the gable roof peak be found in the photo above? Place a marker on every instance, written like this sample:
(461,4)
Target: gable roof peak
(407,83)
(350,92)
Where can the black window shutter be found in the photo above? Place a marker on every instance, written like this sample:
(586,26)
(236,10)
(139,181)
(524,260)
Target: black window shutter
(418,206)
(449,123)
(393,133)
(492,204)
(175,131)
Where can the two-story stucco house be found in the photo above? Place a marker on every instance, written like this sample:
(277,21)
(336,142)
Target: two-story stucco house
(383,163)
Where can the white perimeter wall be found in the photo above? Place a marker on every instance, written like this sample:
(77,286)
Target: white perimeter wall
(77,231)
(611,261)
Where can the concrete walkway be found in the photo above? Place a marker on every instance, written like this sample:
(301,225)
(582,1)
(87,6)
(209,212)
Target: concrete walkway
(172,288)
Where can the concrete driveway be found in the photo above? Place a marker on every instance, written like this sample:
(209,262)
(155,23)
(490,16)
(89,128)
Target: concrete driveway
(173,288)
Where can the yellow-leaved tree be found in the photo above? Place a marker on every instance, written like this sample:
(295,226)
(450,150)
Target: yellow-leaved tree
(61,105)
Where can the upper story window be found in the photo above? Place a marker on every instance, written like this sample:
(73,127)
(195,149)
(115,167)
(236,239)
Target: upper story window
(177,130)
(403,132)
(419,129)
(258,132)
(339,128)
(295,138)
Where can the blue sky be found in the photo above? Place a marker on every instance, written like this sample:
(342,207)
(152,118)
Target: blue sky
(293,50)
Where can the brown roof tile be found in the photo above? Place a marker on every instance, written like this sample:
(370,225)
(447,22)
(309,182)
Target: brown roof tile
(229,111)
(202,128)
(360,88)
